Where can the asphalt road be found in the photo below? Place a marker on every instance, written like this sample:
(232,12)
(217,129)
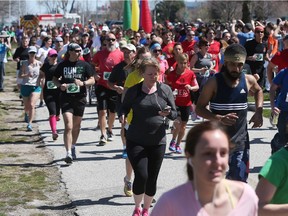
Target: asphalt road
(94,182)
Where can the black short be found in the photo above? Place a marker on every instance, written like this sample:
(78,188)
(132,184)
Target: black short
(73,104)
(106,98)
(184,112)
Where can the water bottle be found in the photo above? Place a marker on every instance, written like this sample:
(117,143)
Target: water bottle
(274,119)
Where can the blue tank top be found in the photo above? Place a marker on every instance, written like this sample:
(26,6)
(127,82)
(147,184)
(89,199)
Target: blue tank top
(233,99)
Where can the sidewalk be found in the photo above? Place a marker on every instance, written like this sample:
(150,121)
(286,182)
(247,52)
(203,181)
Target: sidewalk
(95,181)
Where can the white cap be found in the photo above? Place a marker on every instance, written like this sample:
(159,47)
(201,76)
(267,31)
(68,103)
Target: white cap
(43,34)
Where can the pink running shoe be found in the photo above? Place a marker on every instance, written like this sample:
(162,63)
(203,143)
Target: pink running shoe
(145,212)
(137,212)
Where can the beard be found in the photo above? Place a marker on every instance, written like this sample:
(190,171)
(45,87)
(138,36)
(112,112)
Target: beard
(232,75)
(110,48)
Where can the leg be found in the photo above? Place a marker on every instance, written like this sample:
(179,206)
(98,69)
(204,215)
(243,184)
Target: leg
(32,102)
(76,128)
(68,122)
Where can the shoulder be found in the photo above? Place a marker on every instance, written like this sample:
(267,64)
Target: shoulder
(164,87)
(240,190)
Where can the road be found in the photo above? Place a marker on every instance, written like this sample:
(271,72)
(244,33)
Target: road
(95,182)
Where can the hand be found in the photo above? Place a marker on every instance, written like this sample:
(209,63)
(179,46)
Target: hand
(229,119)
(78,82)
(97,77)
(119,89)
(188,87)
(276,111)
(164,113)
(257,119)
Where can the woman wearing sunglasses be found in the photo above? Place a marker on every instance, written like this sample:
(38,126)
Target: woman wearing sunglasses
(30,86)
(156,51)
(50,91)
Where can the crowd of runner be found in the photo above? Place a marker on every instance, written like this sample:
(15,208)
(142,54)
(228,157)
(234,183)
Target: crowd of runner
(155,81)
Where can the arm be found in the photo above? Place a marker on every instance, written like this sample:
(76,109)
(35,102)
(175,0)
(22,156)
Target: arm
(273,95)
(254,87)
(265,192)
(270,72)
(233,32)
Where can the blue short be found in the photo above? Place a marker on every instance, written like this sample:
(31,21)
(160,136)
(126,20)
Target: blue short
(27,90)
(239,165)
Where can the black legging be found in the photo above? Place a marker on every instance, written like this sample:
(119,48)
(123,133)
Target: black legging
(146,162)
(52,101)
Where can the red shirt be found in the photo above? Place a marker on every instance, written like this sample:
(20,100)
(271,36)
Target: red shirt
(281,59)
(178,81)
(106,61)
(214,49)
(188,47)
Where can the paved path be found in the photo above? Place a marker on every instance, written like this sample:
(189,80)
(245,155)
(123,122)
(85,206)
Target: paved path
(95,182)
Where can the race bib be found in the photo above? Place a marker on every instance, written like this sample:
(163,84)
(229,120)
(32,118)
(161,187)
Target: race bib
(259,56)
(51,85)
(106,75)
(72,88)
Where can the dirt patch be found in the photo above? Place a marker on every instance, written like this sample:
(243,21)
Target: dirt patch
(30,182)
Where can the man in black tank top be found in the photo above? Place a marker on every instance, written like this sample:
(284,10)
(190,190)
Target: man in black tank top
(227,93)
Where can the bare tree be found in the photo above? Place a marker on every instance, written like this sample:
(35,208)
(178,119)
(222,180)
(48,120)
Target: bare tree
(116,10)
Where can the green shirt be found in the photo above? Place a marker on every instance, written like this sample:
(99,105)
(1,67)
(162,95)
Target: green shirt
(275,171)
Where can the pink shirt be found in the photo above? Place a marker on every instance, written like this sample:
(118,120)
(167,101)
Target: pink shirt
(181,201)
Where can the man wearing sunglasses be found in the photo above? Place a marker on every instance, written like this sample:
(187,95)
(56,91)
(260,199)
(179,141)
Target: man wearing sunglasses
(257,54)
(104,61)
(72,76)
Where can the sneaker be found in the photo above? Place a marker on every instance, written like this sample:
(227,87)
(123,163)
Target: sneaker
(172,146)
(54,136)
(102,141)
(145,212)
(68,159)
(124,154)
(73,150)
(178,149)
(137,212)
(128,188)
(58,118)
(194,116)
(109,135)
(26,118)
(29,127)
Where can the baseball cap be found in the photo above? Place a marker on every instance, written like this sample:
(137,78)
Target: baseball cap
(59,39)
(235,53)
(248,26)
(43,34)
(122,43)
(129,46)
(105,28)
(52,52)
(73,46)
(3,34)
(259,28)
(85,34)
(32,49)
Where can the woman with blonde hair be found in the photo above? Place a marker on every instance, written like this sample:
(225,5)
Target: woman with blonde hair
(151,103)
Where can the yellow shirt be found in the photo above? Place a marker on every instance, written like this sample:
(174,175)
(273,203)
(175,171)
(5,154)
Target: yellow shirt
(132,79)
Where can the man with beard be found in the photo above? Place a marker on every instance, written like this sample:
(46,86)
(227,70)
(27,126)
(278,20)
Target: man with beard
(227,94)
(104,61)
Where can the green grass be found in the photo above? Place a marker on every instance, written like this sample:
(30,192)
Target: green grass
(265,97)
(266,113)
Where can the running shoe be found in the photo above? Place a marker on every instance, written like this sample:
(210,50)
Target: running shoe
(193,116)
(124,154)
(73,150)
(128,188)
(172,146)
(68,159)
(178,149)
(145,212)
(29,127)
(54,136)
(137,212)
(58,118)
(26,118)
(41,104)
(102,141)
(109,135)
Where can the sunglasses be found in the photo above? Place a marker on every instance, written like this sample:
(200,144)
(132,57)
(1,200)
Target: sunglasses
(77,51)
(33,53)
(191,35)
(53,56)
(110,39)
(259,32)
(156,51)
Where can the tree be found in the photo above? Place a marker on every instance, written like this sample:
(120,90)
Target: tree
(246,15)
(167,10)
(224,11)
(53,6)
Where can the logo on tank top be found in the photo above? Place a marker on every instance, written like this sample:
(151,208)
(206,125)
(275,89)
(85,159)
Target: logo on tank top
(242,91)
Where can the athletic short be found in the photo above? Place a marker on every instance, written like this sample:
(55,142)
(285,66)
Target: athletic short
(18,80)
(73,104)
(27,90)
(106,98)
(184,113)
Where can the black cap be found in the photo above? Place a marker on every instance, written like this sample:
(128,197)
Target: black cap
(73,46)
